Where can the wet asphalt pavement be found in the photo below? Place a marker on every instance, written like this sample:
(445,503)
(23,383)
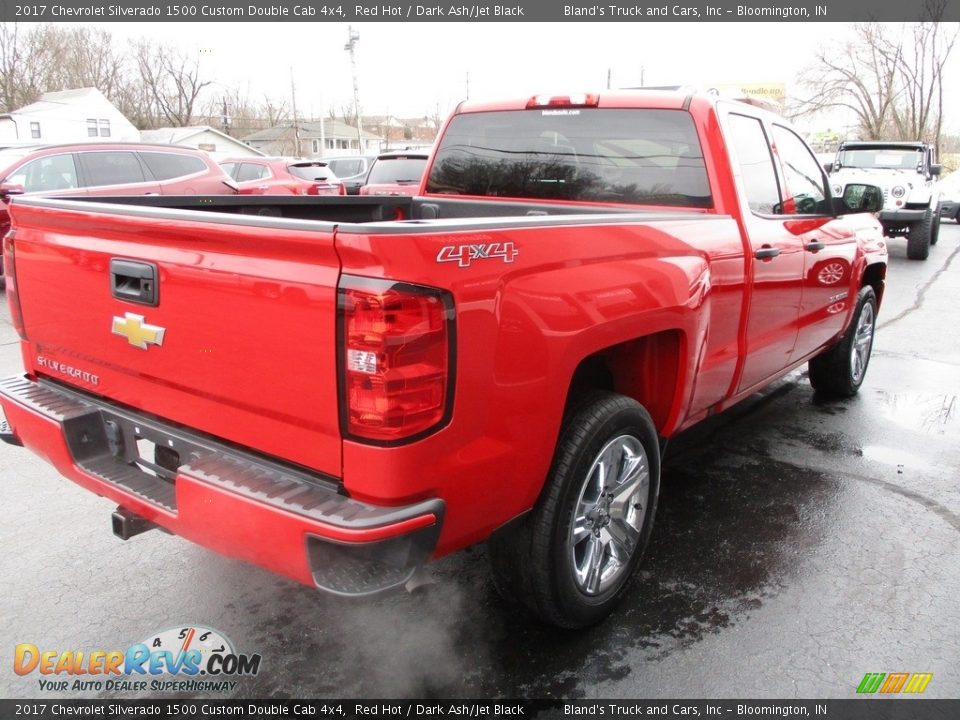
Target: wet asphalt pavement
(799,544)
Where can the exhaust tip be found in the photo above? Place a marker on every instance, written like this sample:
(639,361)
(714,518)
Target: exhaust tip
(127,524)
(8,435)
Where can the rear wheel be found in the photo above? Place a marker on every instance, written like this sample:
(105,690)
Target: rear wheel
(573,558)
(919,237)
(841,369)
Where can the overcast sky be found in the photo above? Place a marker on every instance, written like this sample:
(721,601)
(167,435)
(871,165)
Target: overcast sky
(406,69)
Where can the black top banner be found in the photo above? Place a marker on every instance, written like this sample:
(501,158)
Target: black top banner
(471,11)
(864,709)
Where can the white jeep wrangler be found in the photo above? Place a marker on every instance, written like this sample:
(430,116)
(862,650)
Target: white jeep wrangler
(906,172)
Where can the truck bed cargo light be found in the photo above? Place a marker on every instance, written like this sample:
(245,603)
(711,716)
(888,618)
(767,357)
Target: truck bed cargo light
(559,101)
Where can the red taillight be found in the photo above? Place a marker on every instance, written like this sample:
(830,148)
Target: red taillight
(396,364)
(343,189)
(10,276)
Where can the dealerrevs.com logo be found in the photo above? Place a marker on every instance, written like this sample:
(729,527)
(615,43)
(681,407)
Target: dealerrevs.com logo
(183,659)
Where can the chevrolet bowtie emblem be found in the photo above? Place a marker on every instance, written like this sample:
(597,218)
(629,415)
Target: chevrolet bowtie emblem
(137,332)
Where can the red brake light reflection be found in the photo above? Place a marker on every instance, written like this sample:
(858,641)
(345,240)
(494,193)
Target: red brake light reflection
(560,101)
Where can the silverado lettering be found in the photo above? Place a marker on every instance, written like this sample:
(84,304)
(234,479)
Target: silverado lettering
(342,398)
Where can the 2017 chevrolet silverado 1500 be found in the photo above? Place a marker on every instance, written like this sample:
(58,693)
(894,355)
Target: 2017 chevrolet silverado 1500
(338,389)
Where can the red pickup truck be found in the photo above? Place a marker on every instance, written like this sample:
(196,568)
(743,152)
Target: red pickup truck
(339,389)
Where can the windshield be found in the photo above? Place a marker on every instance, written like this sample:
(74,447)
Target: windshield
(646,157)
(348,167)
(397,170)
(11,155)
(882,158)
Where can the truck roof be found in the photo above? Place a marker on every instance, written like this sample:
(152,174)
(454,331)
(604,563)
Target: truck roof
(652,98)
(883,143)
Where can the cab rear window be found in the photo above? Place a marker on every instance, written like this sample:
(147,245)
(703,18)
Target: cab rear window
(635,156)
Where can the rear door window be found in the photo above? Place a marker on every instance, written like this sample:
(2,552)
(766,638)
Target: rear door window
(633,156)
(756,164)
(111,168)
(166,166)
(251,171)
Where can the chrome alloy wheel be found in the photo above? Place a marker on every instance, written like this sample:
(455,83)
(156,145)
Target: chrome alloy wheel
(609,514)
(862,342)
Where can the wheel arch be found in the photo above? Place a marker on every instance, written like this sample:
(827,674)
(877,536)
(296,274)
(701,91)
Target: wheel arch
(648,369)
(875,275)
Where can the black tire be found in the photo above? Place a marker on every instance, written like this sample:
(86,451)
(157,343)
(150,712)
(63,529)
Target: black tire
(935,230)
(545,561)
(956,215)
(919,236)
(837,371)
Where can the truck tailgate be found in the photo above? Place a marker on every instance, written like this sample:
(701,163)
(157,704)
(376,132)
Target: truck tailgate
(247,314)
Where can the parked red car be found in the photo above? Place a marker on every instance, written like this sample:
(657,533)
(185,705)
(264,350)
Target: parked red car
(396,173)
(107,169)
(283,176)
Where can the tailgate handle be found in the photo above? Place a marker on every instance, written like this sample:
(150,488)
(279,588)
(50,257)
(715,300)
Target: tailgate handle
(134,281)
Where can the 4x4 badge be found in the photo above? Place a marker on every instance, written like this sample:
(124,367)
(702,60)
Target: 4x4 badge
(137,332)
(463,255)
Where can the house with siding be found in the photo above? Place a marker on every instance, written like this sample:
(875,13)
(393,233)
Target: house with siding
(201,137)
(66,116)
(318,138)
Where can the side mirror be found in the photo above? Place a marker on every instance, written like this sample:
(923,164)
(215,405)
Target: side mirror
(8,189)
(859,198)
(936,169)
(828,167)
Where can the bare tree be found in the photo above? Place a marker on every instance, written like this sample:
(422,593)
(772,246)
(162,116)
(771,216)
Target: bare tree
(892,85)
(347,114)
(85,57)
(859,77)
(919,114)
(27,61)
(436,116)
(172,81)
(246,115)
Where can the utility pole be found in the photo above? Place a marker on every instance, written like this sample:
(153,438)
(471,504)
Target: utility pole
(298,151)
(225,119)
(609,72)
(323,129)
(468,84)
(353,36)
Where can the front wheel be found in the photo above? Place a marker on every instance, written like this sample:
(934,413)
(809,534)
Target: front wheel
(919,237)
(840,370)
(573,559)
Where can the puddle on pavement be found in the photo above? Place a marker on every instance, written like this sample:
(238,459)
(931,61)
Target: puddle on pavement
(926,412)
(894,456)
